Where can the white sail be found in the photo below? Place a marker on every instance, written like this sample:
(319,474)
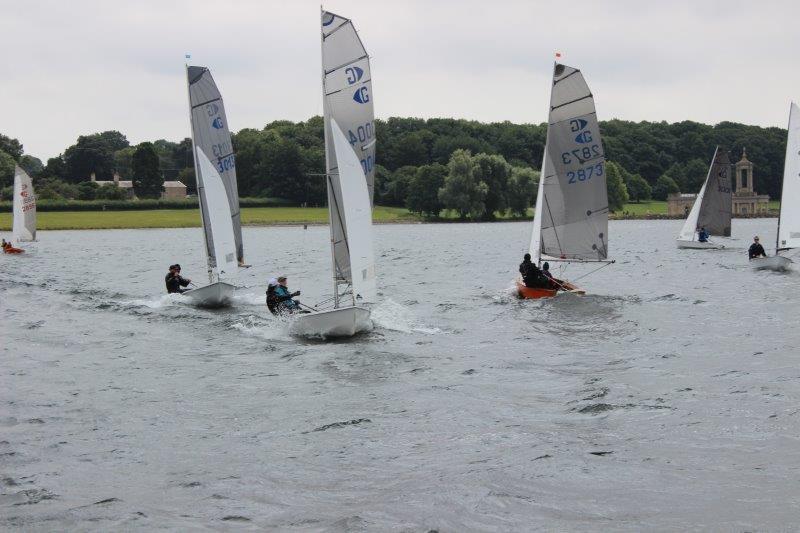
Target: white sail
(219,225)
(789,220)
(24,228)
(572,206)
(347,98)
(357,213)
(689,229)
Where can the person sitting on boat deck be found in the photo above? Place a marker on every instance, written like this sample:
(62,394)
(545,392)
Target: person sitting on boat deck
(756,250)
(531,275)
(6,244)
(702,235)
(174,280)
(285,303)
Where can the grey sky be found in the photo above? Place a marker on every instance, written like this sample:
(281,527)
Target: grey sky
(77,67)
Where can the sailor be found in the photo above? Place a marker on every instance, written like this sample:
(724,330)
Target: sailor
(531,274)
(554,283)
(285,303)
(5,244)
(272,298)
(756,250)
(702,235)
(174,281)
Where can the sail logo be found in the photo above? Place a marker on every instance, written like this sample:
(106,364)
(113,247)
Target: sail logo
(577,124)
(327,19)
(217,123)
(354,74)
(584,137)
(212,109)
(361,95)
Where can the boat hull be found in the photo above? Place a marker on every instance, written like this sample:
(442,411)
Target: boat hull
(777,263)
(697,245)
(340,322)
(533,293)
(219,294)
(12,250)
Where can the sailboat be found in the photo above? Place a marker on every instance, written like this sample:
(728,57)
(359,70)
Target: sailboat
(215,171)
(349,174)
(24,224)
(789,218)
(712,207)
(571,219)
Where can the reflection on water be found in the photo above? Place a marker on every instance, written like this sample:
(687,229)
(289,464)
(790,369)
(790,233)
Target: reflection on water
(666,396)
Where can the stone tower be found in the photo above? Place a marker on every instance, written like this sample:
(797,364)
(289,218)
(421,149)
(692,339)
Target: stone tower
(744,175)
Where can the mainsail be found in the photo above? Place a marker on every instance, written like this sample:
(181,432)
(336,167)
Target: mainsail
(211,135)
(220,222)
(789,220)
(571,219)
(347,100)
(712,207)
(24,228)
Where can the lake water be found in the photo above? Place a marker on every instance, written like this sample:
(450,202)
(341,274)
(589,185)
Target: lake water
(668,398)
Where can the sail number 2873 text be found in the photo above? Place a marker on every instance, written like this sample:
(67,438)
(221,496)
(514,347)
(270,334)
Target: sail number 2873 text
(583,174)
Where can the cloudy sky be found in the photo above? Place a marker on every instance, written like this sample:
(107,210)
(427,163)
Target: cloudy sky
(81,66)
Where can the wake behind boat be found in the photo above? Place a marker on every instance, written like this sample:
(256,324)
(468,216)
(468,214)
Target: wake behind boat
(350,175)
(711,211)
(570,223)
(217,192)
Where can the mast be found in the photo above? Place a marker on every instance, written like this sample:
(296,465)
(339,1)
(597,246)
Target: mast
(197,178)
(328,183)
(536,237)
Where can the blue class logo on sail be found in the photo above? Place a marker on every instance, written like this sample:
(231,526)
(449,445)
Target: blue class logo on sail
(217,123)
(327,19)
(361,95)
(354,74)
(584,137)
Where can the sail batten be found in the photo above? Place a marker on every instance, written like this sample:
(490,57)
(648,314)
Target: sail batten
(571,218)
(211,135)
(24,218)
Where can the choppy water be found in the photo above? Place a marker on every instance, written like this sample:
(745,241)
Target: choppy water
(667,399)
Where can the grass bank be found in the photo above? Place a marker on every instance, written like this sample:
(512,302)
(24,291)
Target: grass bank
(190,218)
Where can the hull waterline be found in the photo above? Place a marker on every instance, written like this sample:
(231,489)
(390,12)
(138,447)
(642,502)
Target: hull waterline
(534,293)
(697,245)
(340,322)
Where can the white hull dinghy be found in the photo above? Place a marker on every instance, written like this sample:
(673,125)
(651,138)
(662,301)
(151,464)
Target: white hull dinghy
(712,207)
(350,176)
(216,189)
(788,236)
(219,294)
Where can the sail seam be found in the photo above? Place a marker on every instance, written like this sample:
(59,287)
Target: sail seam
(571,102)
(346,64)
(207,102)
(559,80)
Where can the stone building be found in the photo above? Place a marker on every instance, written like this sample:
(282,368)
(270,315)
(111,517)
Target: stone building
(173,190)
(122,184)
(746,201)
(679,204)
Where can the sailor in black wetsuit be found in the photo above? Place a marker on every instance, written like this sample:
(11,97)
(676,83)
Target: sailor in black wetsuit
(756,250)
(174,281)
(531,274)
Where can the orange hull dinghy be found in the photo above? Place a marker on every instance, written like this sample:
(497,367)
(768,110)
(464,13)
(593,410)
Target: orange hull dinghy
(534,293)
(12,250)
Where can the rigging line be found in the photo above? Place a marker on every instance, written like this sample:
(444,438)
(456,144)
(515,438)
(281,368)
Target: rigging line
(347,64)
(593,271)
(549,212)
(571,102)
(207,102)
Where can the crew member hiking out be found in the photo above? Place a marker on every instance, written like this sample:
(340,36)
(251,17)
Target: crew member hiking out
(756,250)
(279,299)
(174,281)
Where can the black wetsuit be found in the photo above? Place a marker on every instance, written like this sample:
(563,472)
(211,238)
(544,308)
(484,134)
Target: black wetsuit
(756,250)
(532,276)
(274,301)
(175,282)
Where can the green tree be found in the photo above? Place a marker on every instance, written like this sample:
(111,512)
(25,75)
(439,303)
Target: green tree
(664,187)
(11,147)
(494,172)
(55,168)
(147,180)
(461,191)
(87,190)
(55,189)
(32,165)
(6,170)
(522,187)
(695,172)
(186,176)
(617,193)
(110,191)
(638,188)
(93,154)
(396,191)
(423,190)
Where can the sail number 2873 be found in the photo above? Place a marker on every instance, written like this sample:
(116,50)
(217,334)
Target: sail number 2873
(582,154)
(583,174)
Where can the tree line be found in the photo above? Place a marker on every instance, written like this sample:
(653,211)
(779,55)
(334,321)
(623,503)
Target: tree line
(476,170)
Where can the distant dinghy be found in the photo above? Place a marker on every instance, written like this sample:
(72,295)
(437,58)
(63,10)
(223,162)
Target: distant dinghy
(571,219)
(712,207)
(349,174)
(215,169)
(24,225)
(788,236)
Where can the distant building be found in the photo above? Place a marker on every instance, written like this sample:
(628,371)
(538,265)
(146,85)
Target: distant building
(745,200)
(173,190)
(122,184)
